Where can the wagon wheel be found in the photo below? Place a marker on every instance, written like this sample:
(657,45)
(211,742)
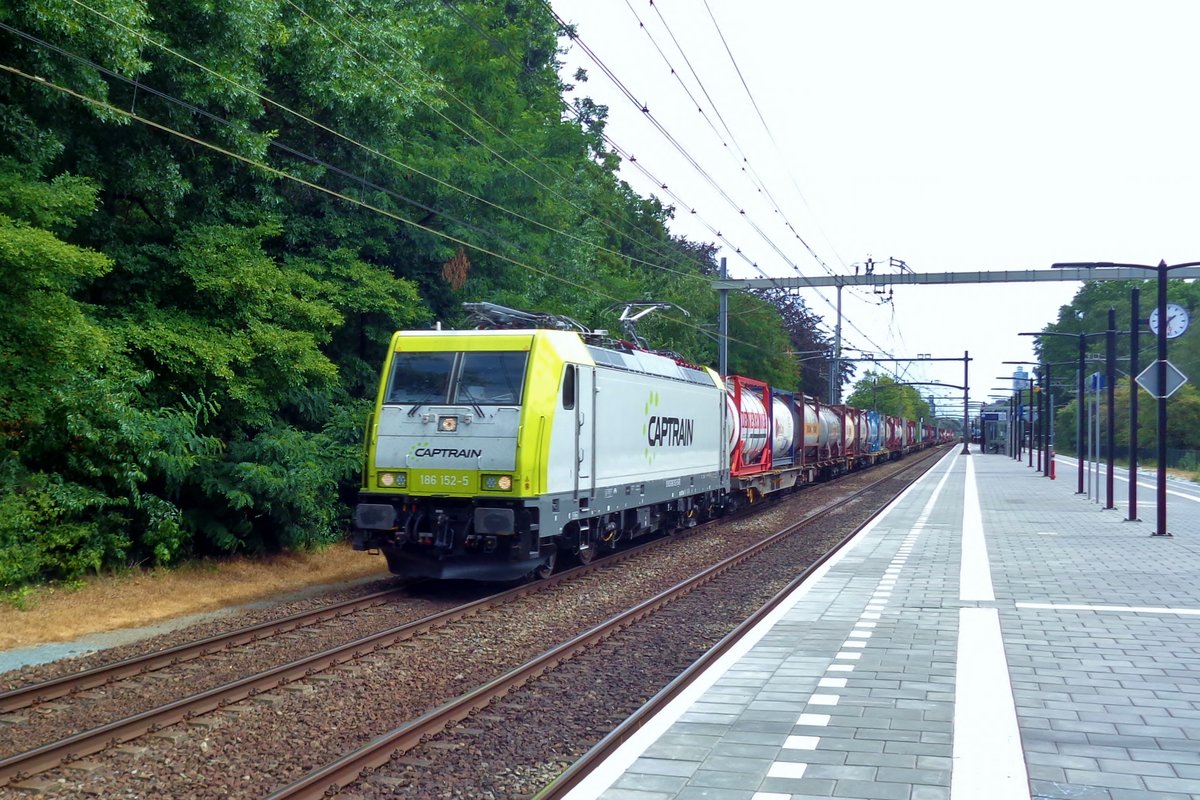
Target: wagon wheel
(546,568)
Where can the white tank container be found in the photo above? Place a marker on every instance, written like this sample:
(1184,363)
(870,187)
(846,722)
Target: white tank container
(831,425)
(784,426)
(851,431)
(754,423)
(817,425)
(821,428)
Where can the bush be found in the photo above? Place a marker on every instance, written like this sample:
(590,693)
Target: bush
(56,529)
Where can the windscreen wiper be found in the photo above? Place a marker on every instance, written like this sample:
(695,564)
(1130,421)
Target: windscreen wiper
(417,405)
(462,390)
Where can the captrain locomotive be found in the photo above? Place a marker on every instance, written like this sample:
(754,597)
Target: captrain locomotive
(494,454)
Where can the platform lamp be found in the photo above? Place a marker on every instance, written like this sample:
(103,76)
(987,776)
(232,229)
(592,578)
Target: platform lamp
(1162,322)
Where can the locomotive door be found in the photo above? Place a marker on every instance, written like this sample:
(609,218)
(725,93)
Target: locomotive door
(585,430)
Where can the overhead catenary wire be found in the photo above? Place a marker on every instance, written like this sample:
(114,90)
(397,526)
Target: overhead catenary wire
(575,38)
(771,136)
(629,158)
(683,151)
(756,179)
(359,179)
(626,155)
(762,119)
(663,185)
(744,163)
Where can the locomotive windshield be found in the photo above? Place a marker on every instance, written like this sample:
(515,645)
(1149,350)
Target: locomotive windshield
(420,377)
(475,378)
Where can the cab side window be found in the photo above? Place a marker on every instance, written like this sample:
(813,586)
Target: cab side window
(568,387)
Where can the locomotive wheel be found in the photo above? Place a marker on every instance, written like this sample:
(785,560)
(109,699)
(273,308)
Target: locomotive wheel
(585,555)
(546,568)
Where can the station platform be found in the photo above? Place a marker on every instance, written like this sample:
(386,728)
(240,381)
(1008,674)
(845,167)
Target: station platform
(991,635)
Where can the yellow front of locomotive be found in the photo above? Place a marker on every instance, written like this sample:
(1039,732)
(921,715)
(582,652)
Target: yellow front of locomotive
(456,452)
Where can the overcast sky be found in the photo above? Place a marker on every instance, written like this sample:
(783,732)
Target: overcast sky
(956,136)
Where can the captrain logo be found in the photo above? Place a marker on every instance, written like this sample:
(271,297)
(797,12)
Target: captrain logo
(670,432)
(423,450)
(661,430)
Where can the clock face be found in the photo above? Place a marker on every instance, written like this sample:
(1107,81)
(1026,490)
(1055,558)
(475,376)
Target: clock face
(1177,320)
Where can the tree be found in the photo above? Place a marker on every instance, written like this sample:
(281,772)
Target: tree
(884,394)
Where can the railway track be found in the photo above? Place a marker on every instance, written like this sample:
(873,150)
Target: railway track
(331,778)
(75,683)
(223,700)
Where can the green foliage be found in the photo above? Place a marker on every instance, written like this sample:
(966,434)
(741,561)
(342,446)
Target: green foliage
(51,527)
(45,335)
(887,396)
(1088,314)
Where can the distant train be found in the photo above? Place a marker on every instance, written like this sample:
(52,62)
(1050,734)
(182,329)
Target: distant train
(497,454)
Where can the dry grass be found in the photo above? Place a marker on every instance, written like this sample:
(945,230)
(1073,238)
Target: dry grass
(106,603)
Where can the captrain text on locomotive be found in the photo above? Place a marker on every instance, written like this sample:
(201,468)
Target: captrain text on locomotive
(494,454)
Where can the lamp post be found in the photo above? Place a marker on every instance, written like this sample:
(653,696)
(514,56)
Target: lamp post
(1110,376)
(1161,269)
(1110,369)
(1046,402)
(1019,420)
(1135,323)
(1082,339)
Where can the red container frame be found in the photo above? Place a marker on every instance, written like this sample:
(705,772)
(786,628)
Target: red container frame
(739,384)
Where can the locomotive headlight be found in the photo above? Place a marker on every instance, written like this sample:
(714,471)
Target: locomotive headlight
(448,424)
(497,483)
(393,480)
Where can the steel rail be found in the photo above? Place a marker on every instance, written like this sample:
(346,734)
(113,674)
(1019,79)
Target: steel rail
(75,682)
(331,778)
(24,765)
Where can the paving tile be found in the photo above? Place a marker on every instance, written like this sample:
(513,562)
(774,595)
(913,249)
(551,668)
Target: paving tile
(871,789)
(669,784)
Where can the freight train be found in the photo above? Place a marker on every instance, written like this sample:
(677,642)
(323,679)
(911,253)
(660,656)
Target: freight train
(500,452)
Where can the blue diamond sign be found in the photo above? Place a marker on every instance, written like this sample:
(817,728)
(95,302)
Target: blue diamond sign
(1148,380)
